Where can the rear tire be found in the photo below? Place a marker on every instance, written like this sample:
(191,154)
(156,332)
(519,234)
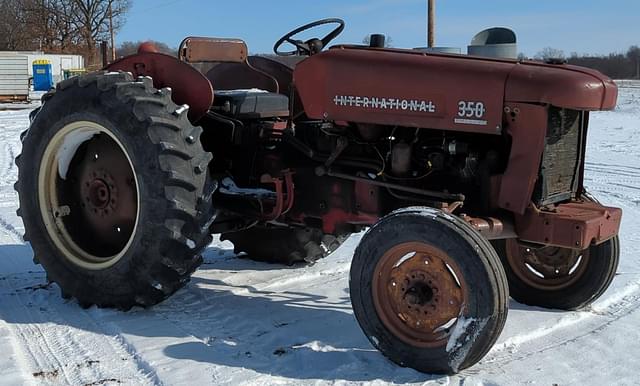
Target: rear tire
(123,201)
(428,291)
(283,245)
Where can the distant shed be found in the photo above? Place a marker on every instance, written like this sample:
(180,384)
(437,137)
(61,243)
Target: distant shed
(14,78)
(59,62)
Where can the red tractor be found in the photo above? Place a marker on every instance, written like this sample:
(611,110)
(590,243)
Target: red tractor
(467,171)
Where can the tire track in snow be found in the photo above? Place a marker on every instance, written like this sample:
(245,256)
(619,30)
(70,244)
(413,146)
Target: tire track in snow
(613,180)
(59,344)
(8,161)
(11,231)
(10,136)
(569,329)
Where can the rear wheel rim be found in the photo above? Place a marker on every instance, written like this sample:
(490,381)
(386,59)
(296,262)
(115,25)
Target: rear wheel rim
(92,213)
(547,268)
(419,293)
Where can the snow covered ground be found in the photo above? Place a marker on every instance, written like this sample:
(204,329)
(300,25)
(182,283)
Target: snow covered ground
(241,322)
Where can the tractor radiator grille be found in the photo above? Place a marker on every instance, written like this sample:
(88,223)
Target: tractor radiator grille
(562,158)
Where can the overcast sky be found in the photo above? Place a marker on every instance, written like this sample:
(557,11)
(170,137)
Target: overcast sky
(583,26)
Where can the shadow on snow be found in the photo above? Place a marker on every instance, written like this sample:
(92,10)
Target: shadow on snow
(296,335)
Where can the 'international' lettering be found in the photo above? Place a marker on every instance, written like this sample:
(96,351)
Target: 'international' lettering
(399,104)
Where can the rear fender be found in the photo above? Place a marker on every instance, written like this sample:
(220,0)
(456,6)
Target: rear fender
(188,85)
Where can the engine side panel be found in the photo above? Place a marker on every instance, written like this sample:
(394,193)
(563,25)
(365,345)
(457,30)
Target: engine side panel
(408,89)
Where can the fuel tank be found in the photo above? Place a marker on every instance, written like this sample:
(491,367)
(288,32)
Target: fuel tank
(440,91)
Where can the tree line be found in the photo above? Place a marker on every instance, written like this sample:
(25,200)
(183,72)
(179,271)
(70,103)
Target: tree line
(78,27)
(60,26)
(615,65)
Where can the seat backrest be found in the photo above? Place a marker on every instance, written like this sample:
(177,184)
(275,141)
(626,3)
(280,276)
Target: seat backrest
(199,49)
(257,72)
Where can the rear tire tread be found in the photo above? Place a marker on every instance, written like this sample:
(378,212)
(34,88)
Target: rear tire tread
(187,203)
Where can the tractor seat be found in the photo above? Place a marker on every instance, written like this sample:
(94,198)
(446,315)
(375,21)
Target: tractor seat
(250,104)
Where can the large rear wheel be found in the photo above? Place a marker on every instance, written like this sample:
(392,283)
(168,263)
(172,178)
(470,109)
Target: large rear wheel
(428,290)
(123,195)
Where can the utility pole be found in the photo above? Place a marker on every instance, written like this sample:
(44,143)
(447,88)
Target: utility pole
(431,23)
(113,43)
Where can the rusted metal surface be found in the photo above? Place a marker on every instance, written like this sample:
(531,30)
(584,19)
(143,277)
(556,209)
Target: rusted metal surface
(418,292)
(547,268)
(576,224)
(202,49)
(526,124)
(407,75)
(562,158)
(284,199)
(428,193)
(491,228)
(336,217)
(148,47)
(13,98)
(563,85)
(422,81)
(106,192)
(188,85)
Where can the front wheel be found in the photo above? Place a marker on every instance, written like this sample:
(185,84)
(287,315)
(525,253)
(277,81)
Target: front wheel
(114,191)
(560,278)
(428,290)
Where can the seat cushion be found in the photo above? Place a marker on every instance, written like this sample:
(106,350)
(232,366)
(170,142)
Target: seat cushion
(253,103)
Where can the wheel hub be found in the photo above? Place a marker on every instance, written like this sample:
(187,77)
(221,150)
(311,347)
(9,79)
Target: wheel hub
(417,294)
(546,268)
(100,193)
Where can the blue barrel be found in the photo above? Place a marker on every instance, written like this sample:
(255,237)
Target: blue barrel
(42,75)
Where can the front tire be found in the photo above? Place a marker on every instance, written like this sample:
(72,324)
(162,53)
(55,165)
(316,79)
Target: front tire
(558,278)
(428,291)
(123,194)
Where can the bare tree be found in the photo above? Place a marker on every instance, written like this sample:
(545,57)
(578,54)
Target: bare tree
(59,25)
(42,19)
(91,19)
(550,53)
(14,32)
(634,56)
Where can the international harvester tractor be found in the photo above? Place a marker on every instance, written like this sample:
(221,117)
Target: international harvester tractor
(466,173)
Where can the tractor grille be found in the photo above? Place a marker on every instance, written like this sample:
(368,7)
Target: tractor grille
(562,158)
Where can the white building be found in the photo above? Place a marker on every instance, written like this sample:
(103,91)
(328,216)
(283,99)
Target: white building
(59,62)
(14,78)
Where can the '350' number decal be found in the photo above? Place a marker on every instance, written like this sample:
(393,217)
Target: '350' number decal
(471,109)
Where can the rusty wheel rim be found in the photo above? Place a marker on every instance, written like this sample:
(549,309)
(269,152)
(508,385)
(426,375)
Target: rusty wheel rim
(546,268)
(419,293)
(88,195)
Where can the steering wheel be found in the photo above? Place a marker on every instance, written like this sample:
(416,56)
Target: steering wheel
(311,46)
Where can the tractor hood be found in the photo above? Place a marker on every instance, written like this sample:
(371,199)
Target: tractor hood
(560,85)
(442,91)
